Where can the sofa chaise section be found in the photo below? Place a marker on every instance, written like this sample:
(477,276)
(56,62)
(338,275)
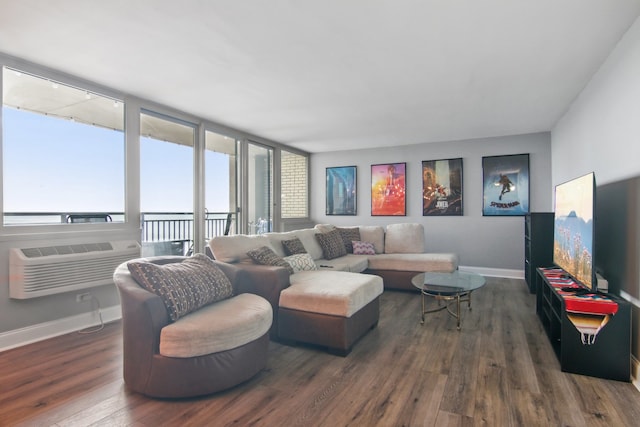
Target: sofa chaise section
(332,309)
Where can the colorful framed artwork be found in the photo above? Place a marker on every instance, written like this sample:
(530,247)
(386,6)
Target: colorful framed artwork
(442,187)
(388,189)
(341,190)
(505,183)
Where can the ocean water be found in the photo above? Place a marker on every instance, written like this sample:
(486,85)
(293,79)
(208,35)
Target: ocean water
(44,219)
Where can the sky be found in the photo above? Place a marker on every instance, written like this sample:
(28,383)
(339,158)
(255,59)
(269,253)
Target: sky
(54,165)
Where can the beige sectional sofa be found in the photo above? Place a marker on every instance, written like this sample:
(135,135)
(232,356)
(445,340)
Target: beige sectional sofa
(328,302)
(399,252)
(399,255)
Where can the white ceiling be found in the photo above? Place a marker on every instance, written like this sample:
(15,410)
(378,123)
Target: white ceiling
(330,75)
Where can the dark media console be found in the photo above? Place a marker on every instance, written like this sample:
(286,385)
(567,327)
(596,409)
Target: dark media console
(609,356)
(538,245)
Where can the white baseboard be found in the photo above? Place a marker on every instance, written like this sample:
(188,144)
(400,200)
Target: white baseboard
(42,331)
(494,272)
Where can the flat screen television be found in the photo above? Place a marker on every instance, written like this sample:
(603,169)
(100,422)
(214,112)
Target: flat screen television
(574,231)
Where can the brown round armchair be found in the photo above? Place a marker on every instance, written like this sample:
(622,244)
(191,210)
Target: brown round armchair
(168,358)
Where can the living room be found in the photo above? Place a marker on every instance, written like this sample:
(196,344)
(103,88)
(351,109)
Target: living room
(598,131)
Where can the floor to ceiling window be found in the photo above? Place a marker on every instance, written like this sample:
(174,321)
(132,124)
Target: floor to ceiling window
(220,184)
(67,157)
(166,184)
(63,152)
(259,210)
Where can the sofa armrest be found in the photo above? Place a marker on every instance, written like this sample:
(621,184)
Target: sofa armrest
(263,280)
(236,275)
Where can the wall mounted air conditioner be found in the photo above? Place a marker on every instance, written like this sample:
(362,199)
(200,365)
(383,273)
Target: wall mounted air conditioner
(35,272)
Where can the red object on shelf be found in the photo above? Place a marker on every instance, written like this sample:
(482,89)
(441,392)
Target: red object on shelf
(588,303)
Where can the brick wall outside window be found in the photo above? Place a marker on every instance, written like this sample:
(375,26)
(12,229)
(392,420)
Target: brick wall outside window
(294,184)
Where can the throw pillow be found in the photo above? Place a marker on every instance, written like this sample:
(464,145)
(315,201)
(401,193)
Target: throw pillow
(301,262)
(183,286)
(265,256)
(332,244)
(363,248)
(349,235)
(293,246)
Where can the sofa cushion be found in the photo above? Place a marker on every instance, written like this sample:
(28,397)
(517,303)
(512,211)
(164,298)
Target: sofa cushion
(266,256)
(235,248)
(404,239)
(375,235)
(363,248)
(301,262)
(222,326)
(337,293)
(306,236)
(293,246)
(332,244)
(348,236)
(183,286)
(324,228)
(445,262)
(349,262)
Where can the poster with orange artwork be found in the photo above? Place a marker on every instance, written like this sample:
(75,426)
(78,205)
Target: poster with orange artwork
(388,189)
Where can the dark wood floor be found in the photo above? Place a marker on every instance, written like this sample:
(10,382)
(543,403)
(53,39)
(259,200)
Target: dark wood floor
(499,370)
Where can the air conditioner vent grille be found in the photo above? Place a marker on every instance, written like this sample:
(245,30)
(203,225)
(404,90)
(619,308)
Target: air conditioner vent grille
(36,272)
(66,249)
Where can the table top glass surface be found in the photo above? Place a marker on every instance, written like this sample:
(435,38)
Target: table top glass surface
(448,283)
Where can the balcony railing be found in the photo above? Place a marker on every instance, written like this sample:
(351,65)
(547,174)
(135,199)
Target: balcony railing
(170,226)
(165,232)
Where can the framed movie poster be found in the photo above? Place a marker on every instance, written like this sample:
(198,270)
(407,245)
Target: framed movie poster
(442,187)
(388,189)
(505,181)
(341,190)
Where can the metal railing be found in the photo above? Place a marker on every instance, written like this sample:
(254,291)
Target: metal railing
(155,226)
(178,226)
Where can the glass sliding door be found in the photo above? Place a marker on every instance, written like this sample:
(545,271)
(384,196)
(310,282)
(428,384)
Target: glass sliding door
(220,185)
(166,184)
(259,212)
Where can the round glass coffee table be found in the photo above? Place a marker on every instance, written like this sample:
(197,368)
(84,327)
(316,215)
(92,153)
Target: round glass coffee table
(452,288)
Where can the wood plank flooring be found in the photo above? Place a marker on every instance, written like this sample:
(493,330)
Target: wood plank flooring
(499,370)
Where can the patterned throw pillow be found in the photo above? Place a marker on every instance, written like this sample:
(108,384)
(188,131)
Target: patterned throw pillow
(301,262)
(265,256)
(331,244)
(349,235)
(183,286)
(363,248)
(293,246)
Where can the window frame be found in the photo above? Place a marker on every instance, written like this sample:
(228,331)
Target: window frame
(81,84)
(133,107)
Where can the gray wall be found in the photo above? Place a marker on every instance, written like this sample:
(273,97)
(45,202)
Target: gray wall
(489,242)
(16,314)
(601,133)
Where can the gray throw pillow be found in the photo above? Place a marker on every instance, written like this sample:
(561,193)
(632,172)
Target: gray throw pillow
(293,246)
(183,286)
(349,235)
(332,244)
(266,256)
(301,262)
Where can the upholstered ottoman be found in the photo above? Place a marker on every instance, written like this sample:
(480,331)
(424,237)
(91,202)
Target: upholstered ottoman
(331,309)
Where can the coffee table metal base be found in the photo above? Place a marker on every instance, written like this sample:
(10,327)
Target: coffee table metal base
(452,288)
(449,300)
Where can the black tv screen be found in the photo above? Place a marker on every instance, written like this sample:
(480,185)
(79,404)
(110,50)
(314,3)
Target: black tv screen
(573,235)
